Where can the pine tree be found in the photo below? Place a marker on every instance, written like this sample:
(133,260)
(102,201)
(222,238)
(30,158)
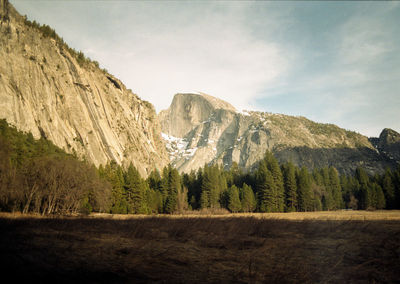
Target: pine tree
(335,188)
(182,200)
(165,185)
(319,180)
(154,201)
(113,173)
(328,202)
(174,189)
(353,188)
(290,187)
(389,189)
(154,197)
(237,173)
(248,199)
(304,194)
(234,204)
(206,188)
(396,181)
(154,180)
(364,193)
(346,192)
(135,191)
(273,166)
(317,204)
(365,198)
(266,190)
(210,187)
(204,200)
(220,185)
(223,186)
(380,202)
(191,182)
(362,177)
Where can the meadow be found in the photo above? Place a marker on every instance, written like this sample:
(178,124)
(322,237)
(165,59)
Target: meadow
(317,247)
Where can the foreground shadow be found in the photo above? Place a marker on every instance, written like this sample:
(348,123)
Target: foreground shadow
(198,250)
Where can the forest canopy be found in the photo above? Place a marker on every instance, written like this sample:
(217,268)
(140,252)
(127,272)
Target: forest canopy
(38,177)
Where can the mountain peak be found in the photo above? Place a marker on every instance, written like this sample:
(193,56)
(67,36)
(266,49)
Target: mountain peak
(389,136)
(214,102)
(218,103)
(188,110)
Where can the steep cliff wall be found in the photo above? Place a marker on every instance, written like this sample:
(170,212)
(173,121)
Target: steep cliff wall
(189,110)
(221,135)
(48,89)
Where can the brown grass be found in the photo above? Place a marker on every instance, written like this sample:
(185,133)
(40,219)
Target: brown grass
(192,249)
(321,215)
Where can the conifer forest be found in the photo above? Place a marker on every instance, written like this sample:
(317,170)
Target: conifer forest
(38,177)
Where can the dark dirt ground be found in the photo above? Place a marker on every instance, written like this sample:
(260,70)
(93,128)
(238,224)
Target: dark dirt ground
(198,250)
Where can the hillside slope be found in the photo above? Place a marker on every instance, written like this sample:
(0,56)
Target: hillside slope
(51,90)
(199,132)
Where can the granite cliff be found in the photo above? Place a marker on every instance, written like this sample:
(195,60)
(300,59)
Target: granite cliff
(201,130)
(55,92)
(52,91)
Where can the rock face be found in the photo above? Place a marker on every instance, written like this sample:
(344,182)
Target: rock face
(189,110)
(199,130)
(388,144)
(48,89)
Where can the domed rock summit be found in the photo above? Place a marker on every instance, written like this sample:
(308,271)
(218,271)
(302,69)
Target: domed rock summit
(200,129)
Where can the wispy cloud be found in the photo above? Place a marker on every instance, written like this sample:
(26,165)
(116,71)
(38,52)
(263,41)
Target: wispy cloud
(211,51)
(353,78)
(336,62)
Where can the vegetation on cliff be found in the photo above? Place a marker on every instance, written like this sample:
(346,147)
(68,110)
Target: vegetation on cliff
(49,32)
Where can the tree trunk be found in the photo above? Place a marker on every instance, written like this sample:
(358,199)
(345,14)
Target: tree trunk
(28,202)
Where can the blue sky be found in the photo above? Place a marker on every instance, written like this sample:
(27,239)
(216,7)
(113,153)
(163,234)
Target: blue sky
(332,62)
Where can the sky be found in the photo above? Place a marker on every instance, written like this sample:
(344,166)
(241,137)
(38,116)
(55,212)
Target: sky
(332,62)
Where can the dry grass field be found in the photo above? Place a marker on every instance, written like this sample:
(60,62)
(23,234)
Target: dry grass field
(322,247)
(345,215)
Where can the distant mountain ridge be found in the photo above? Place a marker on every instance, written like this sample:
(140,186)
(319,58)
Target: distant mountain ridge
(199,132)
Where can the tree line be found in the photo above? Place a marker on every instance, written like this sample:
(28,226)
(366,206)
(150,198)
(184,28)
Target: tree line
(287,188)
(37,176)
(49,32)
